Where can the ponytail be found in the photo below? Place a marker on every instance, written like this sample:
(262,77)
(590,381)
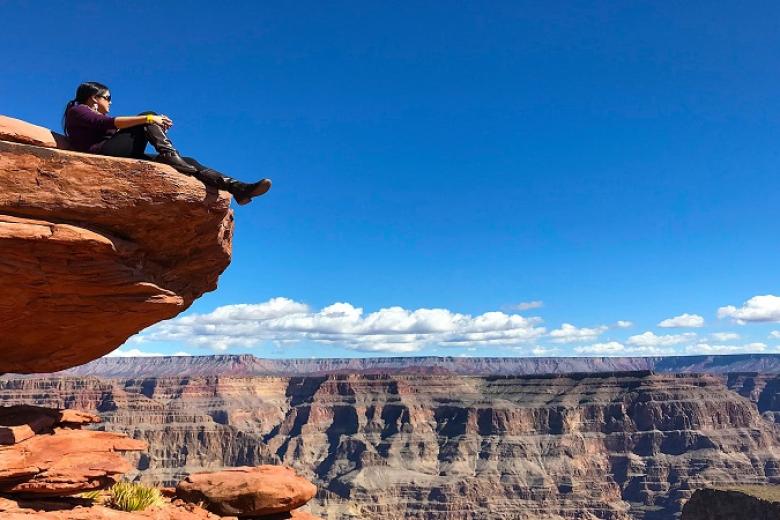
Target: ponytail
(83,93)
(70,105)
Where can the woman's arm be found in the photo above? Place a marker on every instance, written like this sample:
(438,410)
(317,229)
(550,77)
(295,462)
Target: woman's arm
(128,121)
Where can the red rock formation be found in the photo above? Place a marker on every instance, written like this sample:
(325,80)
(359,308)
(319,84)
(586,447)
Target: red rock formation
(18,131)
(50,455)
(248,492)
(97,248)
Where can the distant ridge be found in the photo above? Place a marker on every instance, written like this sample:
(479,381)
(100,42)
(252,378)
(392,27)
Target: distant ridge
(249,365)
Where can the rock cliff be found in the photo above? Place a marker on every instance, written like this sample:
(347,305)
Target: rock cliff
(248,365)
(610,446)
(97,248)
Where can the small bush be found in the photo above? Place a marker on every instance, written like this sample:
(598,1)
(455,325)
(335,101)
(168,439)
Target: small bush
(131,496)
(95,496)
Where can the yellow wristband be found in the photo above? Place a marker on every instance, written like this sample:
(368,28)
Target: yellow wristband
(149,119)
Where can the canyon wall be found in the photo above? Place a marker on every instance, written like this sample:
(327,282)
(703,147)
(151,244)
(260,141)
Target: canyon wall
(611,446)
(249,365)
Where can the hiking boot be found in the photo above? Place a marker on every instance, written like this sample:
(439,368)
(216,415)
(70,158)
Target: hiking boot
(244,193)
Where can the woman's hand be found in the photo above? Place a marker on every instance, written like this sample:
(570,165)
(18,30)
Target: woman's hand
(163,120)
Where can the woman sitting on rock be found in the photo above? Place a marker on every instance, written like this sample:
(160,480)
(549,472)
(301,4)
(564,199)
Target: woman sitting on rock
(90,130)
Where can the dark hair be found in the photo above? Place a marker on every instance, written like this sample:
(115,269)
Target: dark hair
(83,93)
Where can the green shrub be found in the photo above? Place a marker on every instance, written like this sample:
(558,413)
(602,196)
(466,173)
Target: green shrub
(131,496)
(95,495)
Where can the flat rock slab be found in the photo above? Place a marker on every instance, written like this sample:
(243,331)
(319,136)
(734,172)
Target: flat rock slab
(21,422)
(96,249)
(18,131)
(65,462)
(18,423)
(248,492)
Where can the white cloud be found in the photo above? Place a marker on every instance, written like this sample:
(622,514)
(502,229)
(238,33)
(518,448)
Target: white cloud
(568,333)
(706,348)
(649,339)
(543,351)
(775,334)
(683,320)
(133,352)
(392,329)
(615,348)
(756,309)
(624,324)
(524,306)
(724,336)
(611,347)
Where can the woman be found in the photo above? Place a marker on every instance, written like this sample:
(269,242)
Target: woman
(90,130)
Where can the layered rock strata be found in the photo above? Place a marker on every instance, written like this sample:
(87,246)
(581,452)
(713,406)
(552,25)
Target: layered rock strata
(95,249)
(47,453)
(248,365)
(609,446)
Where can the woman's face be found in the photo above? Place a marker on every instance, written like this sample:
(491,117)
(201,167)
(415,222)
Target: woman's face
(102,102)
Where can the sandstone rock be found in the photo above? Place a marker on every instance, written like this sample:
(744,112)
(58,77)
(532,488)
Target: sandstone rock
(65,462)
(76,418)
(247,492)
(18,131)
(295,514)
(97,248)
(18,423)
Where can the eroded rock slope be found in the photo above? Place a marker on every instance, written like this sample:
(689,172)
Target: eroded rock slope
(611,446)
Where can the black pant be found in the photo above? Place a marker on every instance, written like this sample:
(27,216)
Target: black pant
(127,142)
(131,142)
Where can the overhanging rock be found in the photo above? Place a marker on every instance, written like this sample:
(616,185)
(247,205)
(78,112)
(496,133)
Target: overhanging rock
(93,249)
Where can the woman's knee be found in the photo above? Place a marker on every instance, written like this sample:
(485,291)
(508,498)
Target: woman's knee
(194,162)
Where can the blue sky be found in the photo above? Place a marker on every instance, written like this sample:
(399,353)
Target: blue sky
(612,160)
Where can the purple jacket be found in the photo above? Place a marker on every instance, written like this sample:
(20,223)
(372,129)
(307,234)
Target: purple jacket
(87,129)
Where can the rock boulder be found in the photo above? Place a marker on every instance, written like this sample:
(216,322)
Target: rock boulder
(248,492)
(96,248)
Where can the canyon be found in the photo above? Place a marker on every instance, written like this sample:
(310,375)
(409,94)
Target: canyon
(610,445)
(96,249)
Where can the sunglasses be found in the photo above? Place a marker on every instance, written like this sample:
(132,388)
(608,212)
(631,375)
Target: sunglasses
(107,98)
